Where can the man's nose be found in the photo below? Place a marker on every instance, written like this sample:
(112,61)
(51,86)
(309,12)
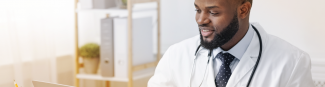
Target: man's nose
(203,20)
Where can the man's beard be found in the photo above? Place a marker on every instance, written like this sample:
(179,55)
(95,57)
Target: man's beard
(224,36)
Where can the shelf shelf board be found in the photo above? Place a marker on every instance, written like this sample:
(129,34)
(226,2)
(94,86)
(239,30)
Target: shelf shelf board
(136,76)
(110,10)
(137,7)
(144,1)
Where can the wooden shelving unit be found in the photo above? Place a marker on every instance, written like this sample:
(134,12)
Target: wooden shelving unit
(131,68)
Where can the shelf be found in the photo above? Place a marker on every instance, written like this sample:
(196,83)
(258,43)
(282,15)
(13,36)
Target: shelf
(144,1)
(122,12)
(136,76)
(111,11)
(139,8)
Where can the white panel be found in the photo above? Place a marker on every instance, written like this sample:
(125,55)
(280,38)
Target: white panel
(142,44)
(142,41)
(86,4)
(120,47)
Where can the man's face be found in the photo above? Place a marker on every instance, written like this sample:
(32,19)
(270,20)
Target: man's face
(217,20)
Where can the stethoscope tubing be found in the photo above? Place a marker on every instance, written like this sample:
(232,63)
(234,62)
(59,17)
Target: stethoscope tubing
(255,66)
(259,56)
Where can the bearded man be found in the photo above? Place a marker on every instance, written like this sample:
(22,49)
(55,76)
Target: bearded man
(231,52)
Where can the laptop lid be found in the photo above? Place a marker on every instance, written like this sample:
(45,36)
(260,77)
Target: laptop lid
(47,84)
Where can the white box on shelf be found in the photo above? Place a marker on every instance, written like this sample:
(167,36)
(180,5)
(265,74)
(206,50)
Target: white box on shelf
(120,47)
(142,44)
(97,4)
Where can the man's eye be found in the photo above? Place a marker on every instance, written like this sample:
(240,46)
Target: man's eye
(213,13)
(197,10)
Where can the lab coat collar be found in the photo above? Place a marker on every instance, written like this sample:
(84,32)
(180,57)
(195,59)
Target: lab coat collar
(246,64)
(240,48)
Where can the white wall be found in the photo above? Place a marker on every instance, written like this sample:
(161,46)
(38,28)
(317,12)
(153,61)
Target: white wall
(299,22)
(32,34)
(177,22)
(37,17)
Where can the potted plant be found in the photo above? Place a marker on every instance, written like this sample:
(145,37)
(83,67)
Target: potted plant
(121,4)
(90,54)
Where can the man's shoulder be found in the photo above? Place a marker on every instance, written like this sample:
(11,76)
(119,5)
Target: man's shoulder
(286,57)
(279,46)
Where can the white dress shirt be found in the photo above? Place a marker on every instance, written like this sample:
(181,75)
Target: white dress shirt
(237,51)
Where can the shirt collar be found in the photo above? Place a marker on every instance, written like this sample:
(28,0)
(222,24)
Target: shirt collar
(240,48)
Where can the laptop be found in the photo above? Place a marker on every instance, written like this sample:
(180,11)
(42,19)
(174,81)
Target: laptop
(47,84)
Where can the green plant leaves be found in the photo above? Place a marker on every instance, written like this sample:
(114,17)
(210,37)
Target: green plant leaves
(90,50)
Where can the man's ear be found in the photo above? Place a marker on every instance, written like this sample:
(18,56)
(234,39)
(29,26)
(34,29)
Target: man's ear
(244,10)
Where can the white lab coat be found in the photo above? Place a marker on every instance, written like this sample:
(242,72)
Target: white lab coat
(281,65)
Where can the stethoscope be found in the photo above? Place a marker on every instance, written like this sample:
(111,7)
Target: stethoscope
(209,55)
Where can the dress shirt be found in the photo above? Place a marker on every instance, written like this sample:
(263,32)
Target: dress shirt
(238,51)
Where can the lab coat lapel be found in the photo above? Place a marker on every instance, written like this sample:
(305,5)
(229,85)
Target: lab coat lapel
(200,72)
(243,68)
(247,62)
(210,76)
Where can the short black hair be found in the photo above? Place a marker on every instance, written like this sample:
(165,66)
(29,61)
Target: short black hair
(250,1)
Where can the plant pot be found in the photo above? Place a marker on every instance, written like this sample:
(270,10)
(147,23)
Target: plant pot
(91,65)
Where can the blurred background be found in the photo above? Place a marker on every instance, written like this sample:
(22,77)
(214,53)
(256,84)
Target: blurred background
(37,37)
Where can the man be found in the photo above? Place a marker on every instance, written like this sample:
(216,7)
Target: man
(225,52)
